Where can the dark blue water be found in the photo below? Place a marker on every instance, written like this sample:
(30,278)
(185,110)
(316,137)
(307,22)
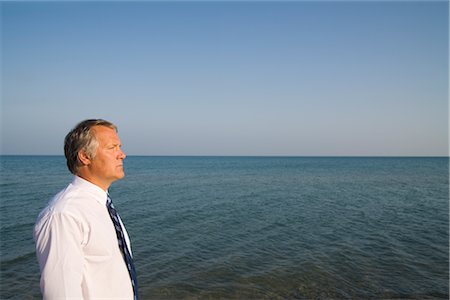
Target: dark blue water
(255,227)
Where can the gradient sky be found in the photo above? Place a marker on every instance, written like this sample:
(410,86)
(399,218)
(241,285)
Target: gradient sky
(229,78)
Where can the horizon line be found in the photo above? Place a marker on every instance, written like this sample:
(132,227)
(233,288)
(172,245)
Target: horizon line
(262,156)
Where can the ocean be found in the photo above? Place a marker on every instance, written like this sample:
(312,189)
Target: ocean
(255,227)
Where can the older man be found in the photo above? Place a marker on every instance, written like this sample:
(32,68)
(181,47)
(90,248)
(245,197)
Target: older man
(82,246)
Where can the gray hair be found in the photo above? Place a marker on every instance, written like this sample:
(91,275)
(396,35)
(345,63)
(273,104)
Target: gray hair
(81,138)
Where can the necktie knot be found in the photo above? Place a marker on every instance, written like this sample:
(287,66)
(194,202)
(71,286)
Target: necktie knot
(109,202)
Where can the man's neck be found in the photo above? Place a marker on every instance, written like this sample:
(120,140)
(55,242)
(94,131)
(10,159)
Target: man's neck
(101,184)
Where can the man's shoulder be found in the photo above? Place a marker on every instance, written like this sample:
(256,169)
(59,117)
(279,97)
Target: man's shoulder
(67,209)
(71,200)
(68,198)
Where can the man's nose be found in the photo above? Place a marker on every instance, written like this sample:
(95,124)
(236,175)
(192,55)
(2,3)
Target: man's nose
(122,155)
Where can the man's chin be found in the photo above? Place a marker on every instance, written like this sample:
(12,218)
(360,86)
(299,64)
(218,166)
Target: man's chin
(119,175)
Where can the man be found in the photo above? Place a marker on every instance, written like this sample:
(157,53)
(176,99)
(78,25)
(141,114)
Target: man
(82,246)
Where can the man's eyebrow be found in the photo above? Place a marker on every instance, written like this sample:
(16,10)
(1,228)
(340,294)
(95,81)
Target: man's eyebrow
(114,145)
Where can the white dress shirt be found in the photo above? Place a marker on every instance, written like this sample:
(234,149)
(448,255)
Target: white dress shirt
(77,248)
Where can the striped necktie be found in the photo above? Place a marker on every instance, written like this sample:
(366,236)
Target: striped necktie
(123,246)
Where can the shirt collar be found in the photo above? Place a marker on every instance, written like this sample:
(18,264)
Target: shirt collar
(97,192)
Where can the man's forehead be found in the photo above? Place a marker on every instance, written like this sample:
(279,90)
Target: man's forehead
(101,128)
(103,132)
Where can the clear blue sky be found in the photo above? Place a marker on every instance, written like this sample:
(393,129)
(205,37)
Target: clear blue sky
(229,78)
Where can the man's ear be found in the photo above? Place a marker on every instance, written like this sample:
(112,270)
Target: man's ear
(84,158)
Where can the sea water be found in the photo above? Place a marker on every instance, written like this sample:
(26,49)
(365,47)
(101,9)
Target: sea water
(255,227)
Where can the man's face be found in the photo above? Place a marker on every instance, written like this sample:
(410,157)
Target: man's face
(107,165)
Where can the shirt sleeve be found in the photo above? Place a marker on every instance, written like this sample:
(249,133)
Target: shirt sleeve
(59,239)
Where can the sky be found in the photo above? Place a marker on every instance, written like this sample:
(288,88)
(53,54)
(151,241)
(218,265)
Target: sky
(292,78)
